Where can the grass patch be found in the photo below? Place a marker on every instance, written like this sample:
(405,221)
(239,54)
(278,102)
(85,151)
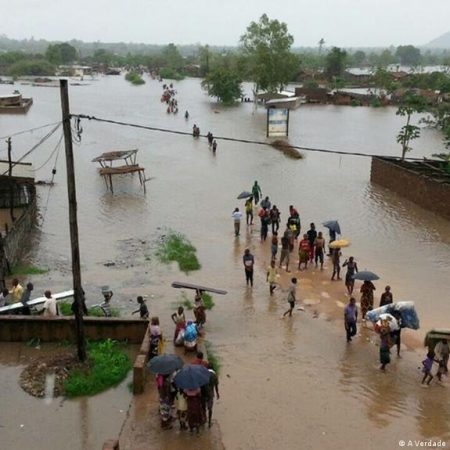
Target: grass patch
(134,78)
(208,301)
(107,366)
(213,358)
(28,270)
(176,247)
(287,149)
(65,309)
(188,304)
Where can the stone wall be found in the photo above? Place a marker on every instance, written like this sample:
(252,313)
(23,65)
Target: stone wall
(421,189)
(54,329)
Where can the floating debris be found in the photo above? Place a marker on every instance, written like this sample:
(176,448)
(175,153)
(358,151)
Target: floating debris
(287,149)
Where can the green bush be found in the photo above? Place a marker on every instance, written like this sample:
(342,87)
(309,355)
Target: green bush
(171,74)
(27,270)
(213,359)
(176,247)
(107,366)
(36,67)
(375,102)
(134,78)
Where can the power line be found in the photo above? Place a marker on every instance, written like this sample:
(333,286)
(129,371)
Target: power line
(230,139)
(32,149)
(29,130)
(57,147)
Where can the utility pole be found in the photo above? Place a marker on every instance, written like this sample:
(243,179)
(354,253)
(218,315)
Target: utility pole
(11,184)
(71,190)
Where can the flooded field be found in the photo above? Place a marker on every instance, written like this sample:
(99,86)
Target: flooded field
(288,381)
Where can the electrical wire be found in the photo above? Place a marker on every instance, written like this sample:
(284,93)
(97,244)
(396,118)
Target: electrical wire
(32,149)
(30,130)
(230,139)
(57,147)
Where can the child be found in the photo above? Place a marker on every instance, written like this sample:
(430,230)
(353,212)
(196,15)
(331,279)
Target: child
(291,297)
(427,364)
(181,405)
(271,276)
(143,310)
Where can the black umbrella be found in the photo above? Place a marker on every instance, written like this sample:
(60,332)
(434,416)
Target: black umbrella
(165,364)
(193,376)
(244,194)
(365,275)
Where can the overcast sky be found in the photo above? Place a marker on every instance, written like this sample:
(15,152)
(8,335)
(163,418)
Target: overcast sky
(348,23)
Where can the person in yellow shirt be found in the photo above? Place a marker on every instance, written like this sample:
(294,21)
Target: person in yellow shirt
(271,277)
(16,291)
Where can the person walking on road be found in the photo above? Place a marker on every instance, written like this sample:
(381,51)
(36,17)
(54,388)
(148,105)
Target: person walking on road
(249,262)
(237,215)
(291,297)
(350,318)
(256,192)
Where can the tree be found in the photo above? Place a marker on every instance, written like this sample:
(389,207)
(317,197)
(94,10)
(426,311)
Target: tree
(224,84)
(321,44)
(267,45)
(172,57)
(359,58)
(61,53)
(335,63)
(408,55)
(411,104)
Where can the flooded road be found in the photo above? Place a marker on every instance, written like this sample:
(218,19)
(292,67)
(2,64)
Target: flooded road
(287,377)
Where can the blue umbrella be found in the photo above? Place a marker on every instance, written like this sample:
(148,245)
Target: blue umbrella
(332,225)
(192,376)
(366,275)
(165,364)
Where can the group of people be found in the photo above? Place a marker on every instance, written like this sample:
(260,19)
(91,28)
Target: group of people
(193,407)
(19,294)
(312,250)
(168,97)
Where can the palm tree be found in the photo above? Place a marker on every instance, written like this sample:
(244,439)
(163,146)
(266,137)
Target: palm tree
(321,44)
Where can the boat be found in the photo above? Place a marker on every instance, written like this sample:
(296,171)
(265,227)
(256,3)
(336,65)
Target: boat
(2,81)
(14,103)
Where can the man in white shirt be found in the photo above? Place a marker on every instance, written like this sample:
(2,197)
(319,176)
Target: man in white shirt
(237,215)
(50,308)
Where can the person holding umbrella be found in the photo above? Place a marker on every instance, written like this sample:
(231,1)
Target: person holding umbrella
(366,297)
(191,378)
(249,210)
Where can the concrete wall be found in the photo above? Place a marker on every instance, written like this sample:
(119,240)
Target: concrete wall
(19,233)
(420,189)
(54,329)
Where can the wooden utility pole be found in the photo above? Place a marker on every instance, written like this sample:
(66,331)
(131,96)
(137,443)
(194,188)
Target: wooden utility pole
(11,184)
(71,190)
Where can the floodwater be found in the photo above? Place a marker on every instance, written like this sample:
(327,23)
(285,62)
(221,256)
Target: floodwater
(79,424)
(289,383)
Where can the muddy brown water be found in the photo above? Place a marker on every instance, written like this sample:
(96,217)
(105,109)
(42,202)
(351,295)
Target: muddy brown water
(289,382)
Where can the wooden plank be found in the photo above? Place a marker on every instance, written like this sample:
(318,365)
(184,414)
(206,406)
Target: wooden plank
(37,301)
(180,285)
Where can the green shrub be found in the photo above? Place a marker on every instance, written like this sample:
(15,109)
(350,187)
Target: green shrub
(375,102)
(36,67)
(213,359)
(171,74)
(134,78)
(28,270)
(176,247)
(107,366)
